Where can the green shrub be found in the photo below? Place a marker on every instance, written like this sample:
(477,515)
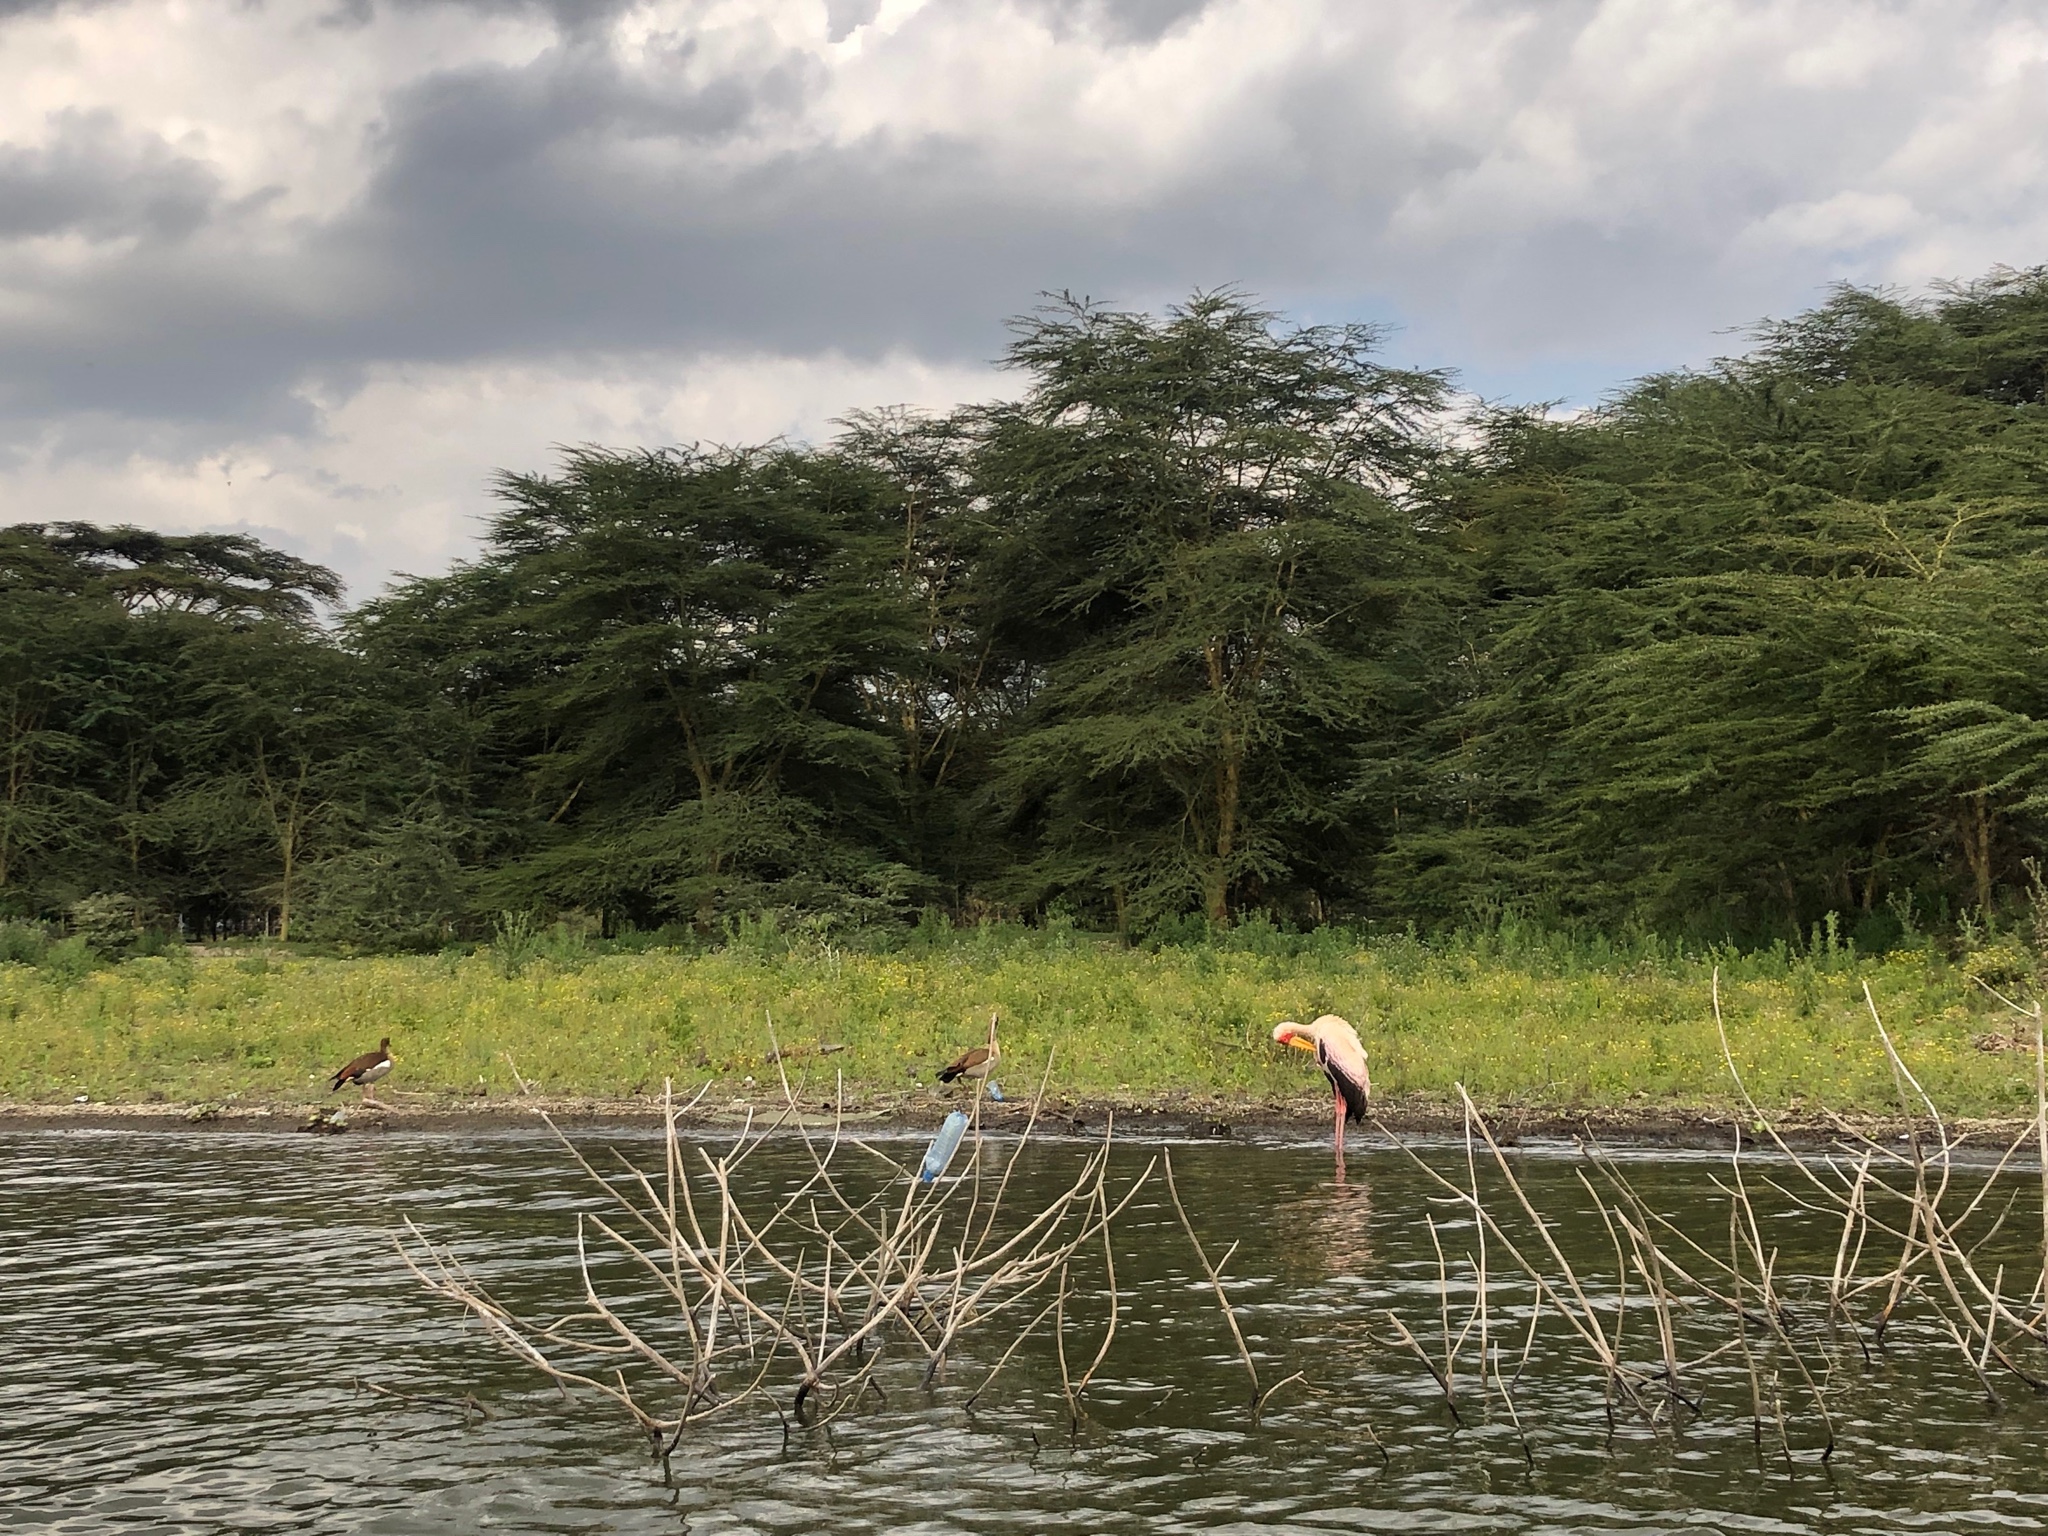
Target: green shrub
(69,960)
(23,943)
(110,921)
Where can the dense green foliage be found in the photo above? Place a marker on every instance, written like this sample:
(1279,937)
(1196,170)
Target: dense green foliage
(1766,641)
(1215,617)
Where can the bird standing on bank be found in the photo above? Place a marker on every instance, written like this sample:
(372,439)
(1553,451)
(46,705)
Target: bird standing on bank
(366,1069)
(1338,1052)
(977,1063)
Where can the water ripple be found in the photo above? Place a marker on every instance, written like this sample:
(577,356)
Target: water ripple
(184,1320)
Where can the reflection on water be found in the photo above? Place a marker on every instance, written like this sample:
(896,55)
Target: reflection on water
(1325,1231)
(185,1318)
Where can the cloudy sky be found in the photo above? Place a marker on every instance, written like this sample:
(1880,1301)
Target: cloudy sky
(315,270)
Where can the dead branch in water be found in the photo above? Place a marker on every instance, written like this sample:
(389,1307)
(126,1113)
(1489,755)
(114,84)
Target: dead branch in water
(863,1274)
(1215,1278)
(797,1297)
(464,1405)
(1906,1198)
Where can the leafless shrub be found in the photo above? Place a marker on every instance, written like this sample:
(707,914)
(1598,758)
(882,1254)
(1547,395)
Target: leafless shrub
(1909,1200)
(794,1302)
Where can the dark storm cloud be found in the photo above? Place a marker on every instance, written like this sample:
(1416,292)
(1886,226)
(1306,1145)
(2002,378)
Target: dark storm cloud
(571,203)
(1120,21)
(843,16)
(515,210)
(95,179)
(563,204)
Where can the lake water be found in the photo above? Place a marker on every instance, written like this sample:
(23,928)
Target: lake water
(184,1319)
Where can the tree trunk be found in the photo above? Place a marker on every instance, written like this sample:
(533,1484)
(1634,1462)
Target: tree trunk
(1229,779)
(284,894)
(132,831)
(20,767)
(1229,784)
(287,812)
(1872,877)
(1973,830)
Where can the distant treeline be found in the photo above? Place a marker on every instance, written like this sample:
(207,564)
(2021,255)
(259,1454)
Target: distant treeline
(1217,617)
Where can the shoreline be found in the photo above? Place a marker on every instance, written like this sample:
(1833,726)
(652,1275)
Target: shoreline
(1180,1117)
(1169,1038)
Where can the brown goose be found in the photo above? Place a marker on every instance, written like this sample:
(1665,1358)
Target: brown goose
(366,1069)
(977,1063)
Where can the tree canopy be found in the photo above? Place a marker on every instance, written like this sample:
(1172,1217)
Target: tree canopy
(1215,615)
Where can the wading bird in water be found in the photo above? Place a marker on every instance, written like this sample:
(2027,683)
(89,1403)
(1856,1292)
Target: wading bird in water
(366,1069)
(977,1063)
(1342,1058)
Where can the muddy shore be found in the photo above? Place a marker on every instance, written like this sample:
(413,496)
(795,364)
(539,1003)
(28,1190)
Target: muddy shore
(1179,1117)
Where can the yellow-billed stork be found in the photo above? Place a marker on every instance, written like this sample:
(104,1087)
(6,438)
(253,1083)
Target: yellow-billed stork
(1338,1052)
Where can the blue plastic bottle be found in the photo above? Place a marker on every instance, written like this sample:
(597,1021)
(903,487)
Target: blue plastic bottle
(944,1145)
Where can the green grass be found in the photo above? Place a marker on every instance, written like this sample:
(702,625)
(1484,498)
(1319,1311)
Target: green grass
(1537,1023)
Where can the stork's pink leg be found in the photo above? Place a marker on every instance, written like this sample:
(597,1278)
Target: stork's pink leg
(1340,1137)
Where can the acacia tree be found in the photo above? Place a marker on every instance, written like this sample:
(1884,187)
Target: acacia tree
(103,713)
(1977,728)
(1208,576)
(1206,620)
(48,814)
(1761,641)
(674,650)
(289,753)
(943,691)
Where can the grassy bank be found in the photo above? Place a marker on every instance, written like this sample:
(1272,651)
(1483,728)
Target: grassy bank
(1539,1024)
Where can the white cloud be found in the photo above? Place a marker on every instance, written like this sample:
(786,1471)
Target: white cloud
(1845,222)
(395,475)
(285,97)
(321,269)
